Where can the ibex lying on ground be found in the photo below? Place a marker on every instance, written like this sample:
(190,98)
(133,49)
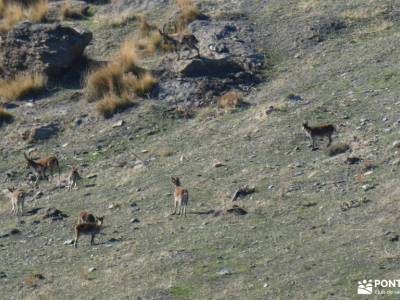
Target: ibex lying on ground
(87,217)
(17,197)
(181,197)
(87,229)
(319,131)
(40,166)
(181,41)
(73,178)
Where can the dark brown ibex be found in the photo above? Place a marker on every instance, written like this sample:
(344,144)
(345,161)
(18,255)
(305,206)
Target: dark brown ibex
(181,41)
(319,131)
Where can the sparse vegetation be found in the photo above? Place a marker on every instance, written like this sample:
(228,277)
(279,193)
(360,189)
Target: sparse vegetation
(111,104)
(230,101)
(5,117)
(73,12)
(21,86)
(118,20)
(118,82)
(11,14)
(189,13)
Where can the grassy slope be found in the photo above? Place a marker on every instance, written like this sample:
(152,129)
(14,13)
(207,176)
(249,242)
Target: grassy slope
(295,241)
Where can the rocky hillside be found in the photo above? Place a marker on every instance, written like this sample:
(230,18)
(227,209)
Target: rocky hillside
(99,85)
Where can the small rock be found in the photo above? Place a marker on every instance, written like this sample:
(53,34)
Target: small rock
(90,270)
(118,124)
(224,272)
(90,176)
(217,164)
(396,144)
(270,187)
(135,220)
(68,242)
(14,231)
(265,285)
(145,151)
(367,187)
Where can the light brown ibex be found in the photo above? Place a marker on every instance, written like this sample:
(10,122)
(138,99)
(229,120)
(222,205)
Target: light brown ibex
(40,166)
(181,197)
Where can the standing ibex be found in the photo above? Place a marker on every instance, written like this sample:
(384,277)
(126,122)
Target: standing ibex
(73,178)
(181,41)
(181,197)
(40,166)
(87,229)
(319,131)
(17,197)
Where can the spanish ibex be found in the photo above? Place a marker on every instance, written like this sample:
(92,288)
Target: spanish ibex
(40,166)
(181,197)
(181,41)
(319,131)
(17,197)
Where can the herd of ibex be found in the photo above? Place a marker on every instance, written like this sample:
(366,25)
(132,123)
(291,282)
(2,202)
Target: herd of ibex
(87,223)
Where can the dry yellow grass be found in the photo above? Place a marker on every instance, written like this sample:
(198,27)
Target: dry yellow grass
(142,85)
(111,104)
(189,13)
(119,78)
(21,86)
(363,12)
(230,101)
(5,117)
(15,13)
(69,12)
(105,80)
(118,21)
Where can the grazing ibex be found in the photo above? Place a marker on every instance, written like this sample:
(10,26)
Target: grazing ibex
(181,41)
(40,166)
(181,197)
(87,217)
(73,178)
(87,229)
(17,197)
(319,131)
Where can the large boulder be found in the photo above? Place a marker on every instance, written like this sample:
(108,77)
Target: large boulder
(42,48)
(199,67)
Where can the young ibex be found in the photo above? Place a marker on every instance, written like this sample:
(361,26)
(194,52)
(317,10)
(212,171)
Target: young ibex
(87,229)
(17,197)
(40,166)
(73,178)
(319,131)
(87,217)
(181,41)
(181,197)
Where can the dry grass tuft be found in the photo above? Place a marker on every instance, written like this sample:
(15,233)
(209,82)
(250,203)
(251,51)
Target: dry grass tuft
(118,21)
(74,13)
(21,86)
(14,13)
(117,83)
(5,117)
(230,101)
(189,13)
(111,104)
